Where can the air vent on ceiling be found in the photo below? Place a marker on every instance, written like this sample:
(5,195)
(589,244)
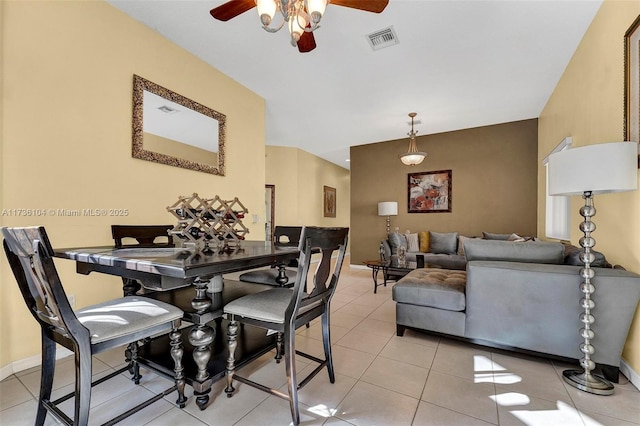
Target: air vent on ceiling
(382,38)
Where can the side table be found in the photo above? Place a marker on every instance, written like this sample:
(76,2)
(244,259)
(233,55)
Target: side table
(388,269)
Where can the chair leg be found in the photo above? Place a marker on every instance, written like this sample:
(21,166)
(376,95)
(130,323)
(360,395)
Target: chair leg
(278,357)
(83,383)
(290,365)
(46,377)
(176,353)
(131,356)
(326,341)
(232,334)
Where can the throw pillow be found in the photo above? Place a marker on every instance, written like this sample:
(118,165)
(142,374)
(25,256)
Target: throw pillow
(424,241)
(396,240)
(412,243)
(461,240)
(518,239)
(444,243)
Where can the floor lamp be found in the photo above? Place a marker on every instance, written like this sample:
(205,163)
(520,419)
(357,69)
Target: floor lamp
(586,171)
(388,209)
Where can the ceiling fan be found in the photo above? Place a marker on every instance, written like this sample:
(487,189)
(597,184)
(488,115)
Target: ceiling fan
(301,16)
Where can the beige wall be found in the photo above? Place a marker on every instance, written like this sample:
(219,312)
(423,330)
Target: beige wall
(299,178)
(493,184)
(66,139)
(5,302)
(587,104)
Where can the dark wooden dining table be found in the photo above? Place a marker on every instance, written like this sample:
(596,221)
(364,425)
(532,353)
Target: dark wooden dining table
(166,270)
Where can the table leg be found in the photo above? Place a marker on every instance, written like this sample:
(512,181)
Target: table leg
(374,274)
(201,337)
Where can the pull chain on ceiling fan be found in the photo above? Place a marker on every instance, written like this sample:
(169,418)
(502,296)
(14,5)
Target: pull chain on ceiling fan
(301,16)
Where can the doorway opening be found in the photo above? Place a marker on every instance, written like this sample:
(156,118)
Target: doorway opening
(270,209)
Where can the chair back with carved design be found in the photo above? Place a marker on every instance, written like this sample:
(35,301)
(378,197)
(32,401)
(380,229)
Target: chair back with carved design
(88,331)
(283,310)
(288,236)
(144,235)
(29,253)
(315,292)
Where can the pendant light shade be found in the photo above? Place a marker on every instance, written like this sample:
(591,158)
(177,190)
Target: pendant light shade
(413,156)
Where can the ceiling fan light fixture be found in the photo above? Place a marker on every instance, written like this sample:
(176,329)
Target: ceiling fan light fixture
(316,9)
(413,157)
(297,24)
(301,16)
(266,10)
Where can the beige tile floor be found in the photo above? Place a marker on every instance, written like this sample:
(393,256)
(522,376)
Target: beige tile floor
(381,379)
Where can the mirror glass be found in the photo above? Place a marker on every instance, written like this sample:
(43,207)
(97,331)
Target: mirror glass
(171,129)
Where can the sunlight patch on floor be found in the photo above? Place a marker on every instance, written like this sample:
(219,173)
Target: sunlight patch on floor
(323,410)
(511,398)
(487,371)
(506,378)
(563,415)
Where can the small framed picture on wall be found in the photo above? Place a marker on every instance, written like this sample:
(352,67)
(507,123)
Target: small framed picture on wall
(329,202)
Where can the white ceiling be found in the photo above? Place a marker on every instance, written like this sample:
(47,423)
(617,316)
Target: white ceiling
(459,64)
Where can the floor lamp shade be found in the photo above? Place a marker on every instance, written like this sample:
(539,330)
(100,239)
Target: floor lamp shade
(601,168)
(387,208)
(589,170)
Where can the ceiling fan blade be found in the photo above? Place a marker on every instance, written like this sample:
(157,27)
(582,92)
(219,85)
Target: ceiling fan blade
(375,6)
(306,43)
(231,9)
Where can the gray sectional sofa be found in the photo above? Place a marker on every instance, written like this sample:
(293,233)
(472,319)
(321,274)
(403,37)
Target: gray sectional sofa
(520,295)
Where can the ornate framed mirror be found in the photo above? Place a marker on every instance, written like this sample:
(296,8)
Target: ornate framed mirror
(171,129)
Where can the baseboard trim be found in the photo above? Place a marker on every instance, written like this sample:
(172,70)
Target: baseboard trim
(30,362)
(630,373)
(352,266)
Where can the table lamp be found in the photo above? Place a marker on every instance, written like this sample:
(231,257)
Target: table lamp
(388,209)
(589,170)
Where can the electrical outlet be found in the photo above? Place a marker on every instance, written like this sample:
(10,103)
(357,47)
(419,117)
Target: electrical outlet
(72,300)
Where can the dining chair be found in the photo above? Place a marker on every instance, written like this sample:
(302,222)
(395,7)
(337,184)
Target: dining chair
(285,309)
(87,331)
(284,236)
(132,236)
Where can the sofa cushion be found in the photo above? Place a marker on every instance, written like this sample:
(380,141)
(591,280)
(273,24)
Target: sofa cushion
(490,236)
(526,252)
(445,261)
(423,237)
(436,288)
(445,243)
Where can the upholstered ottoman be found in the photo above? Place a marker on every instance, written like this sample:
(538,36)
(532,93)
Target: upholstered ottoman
(433,296)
